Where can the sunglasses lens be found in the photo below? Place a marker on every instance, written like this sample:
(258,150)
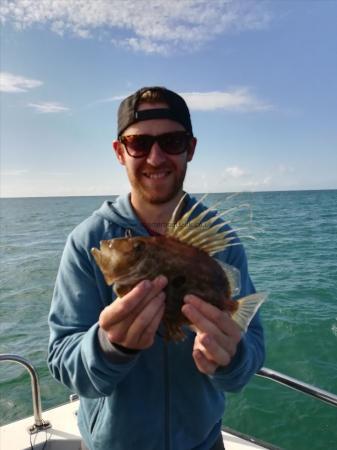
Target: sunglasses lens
(173,143)
(139,145)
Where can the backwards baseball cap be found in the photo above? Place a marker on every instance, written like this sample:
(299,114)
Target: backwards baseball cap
(177,109)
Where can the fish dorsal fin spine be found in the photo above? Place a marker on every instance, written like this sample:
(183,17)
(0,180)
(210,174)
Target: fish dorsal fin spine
(177,210)
(203,234)
(247,309)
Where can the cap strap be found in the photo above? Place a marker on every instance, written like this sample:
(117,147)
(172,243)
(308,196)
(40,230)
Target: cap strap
(163,113)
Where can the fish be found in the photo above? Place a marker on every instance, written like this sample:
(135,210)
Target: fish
(185,255)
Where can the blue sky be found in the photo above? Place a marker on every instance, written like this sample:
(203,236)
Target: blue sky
(259,77)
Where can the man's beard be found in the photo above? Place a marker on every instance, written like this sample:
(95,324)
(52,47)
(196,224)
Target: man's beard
(159,196)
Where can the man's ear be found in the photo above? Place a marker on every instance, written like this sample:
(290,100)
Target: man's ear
(191,148)
(119,150)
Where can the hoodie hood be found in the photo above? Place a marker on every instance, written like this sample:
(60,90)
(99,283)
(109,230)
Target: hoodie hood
(120,212)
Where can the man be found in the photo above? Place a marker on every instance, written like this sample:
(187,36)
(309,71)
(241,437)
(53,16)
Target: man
(138,391)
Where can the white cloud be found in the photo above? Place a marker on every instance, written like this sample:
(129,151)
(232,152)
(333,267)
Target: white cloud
(115,98)
(145,45)
(48,107)
(258,183)
(237,100)
(14,172)
(16,83)
(284,169)
(230,179)
(240,100)
(150,26)
(57,174)
(235,172)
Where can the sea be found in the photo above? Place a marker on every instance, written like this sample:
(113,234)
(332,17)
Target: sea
(291,243)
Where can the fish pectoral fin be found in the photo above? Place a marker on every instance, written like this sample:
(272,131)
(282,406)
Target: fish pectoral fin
(247,309)
(233,276)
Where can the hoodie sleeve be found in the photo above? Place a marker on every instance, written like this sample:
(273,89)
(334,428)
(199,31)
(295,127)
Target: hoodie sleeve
(75,355)
(250,354)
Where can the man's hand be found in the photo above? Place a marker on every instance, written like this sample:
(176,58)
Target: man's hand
(132,321)
(217,335)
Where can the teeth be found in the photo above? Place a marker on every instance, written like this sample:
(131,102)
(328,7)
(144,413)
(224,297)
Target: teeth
(156,175)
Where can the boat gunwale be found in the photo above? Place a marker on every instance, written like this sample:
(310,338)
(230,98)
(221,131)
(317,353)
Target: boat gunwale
(249,438)
(278,377)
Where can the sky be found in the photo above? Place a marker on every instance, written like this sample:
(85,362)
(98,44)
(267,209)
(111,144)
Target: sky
(259,78)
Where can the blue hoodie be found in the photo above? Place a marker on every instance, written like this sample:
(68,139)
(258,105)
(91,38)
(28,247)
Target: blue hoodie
(154,399)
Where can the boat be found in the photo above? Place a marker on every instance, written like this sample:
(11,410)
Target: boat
(57,428)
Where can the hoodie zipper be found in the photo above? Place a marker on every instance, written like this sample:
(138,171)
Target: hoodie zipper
(167,401)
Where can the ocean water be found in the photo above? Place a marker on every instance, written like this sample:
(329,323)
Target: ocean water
(293,257)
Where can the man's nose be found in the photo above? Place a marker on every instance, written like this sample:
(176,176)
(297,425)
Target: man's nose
(156,156)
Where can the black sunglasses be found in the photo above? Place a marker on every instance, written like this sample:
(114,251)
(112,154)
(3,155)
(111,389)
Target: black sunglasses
(139,145)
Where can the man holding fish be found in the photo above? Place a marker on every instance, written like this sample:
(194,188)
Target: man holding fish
(152,356)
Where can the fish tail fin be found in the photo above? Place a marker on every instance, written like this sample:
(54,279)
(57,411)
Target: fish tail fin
(247,309)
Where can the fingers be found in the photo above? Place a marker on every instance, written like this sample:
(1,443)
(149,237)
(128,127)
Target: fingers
(208,354)
(208,318)
(129,331)
(203,364)
(145,325)
(213,334)
(132,320)
(217,335)
(121,308)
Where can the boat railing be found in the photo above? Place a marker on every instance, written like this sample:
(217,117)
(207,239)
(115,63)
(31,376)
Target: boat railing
(41,424)
(298,385)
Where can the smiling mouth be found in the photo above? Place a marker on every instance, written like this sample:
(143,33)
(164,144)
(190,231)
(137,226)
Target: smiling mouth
(156,175)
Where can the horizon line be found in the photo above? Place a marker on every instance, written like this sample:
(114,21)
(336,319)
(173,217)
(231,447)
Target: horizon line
(190,192)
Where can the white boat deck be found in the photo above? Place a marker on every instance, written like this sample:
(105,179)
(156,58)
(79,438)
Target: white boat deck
(65,435)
